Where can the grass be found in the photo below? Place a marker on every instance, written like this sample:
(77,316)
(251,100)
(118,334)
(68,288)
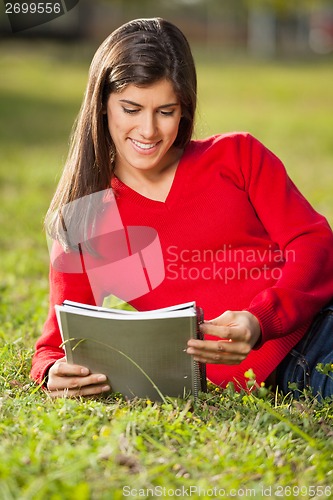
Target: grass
(258,445)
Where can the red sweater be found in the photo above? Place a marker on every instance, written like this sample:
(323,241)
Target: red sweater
(235,234)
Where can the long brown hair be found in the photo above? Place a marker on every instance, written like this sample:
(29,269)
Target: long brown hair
(140,52)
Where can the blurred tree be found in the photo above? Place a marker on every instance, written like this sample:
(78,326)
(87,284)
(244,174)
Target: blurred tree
(265,26)
(265,17)
(283,7)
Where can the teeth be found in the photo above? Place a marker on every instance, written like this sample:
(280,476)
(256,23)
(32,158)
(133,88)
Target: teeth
(144,146)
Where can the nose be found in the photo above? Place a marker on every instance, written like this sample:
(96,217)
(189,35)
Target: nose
(148,126)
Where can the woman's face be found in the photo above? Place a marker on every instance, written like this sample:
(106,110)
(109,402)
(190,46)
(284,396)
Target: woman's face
(143,123)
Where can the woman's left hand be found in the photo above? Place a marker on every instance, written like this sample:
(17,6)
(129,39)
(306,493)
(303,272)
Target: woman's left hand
(239,331)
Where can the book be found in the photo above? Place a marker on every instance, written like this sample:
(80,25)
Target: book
(143,354)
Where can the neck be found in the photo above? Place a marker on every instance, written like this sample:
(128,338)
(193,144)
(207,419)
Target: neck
(153,183)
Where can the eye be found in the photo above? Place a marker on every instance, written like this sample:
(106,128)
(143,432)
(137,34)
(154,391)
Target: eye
(130,111)
(167,113)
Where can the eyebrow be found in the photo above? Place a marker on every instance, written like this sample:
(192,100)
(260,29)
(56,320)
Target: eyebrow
(132,103)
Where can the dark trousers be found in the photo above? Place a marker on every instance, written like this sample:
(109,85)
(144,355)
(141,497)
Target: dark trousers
(299,366)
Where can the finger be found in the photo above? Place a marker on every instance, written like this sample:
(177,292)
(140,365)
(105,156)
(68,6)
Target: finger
(212,347)
(224,359)
(59,383)
(217,357)
(242,348)
(218,351)
(63,369)
(207,345)
(235,332)
(93,390)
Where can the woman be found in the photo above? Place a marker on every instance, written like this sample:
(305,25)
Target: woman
(236,235)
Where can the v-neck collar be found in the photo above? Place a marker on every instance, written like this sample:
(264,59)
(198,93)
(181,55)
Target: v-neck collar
(175,191)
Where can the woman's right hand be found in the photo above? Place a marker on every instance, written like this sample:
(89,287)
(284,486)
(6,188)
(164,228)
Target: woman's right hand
(65,380)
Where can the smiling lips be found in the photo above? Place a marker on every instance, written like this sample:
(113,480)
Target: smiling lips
(144,146)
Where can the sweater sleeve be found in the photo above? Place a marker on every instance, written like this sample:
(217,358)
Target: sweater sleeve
(306,280)
(63,286)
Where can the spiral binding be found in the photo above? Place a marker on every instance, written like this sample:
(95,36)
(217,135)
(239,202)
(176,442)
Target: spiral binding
(200,381)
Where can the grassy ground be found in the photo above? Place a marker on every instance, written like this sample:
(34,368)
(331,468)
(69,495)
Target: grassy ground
(226,443)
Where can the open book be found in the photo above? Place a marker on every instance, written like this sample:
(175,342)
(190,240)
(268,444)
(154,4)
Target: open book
(143,354)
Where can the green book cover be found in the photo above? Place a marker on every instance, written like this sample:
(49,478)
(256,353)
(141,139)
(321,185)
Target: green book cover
(143,354)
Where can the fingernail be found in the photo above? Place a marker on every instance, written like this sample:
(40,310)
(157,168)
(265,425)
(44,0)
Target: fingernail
(84,371)
(101,378)
(106,388)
